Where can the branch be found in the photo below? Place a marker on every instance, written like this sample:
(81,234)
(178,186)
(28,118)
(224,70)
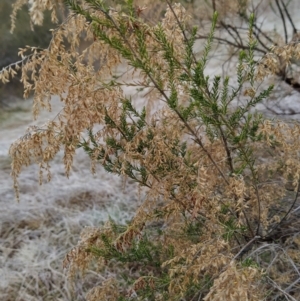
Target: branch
(287,295)
(231,43)
(180,26)
(288,212)
(283,21)
(289,17)
(245,247)
(228,27)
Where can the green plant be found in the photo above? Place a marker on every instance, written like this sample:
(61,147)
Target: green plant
(214,173)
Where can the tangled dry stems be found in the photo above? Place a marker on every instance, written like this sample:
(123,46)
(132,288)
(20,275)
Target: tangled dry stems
(214,224)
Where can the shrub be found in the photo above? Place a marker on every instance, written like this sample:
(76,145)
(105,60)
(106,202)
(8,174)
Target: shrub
(221,181)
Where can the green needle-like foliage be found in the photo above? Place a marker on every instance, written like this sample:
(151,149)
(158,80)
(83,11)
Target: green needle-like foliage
(213,173)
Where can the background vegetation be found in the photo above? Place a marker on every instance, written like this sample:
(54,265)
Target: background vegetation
(24,34)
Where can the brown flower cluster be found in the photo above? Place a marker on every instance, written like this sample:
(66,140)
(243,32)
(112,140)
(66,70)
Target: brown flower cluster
(216,180)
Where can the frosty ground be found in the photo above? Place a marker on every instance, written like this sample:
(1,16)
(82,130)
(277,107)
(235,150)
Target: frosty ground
(36,233)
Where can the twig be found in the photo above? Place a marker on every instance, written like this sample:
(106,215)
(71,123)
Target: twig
(296,209)
(246,246)
(264,34)
(17,63)
(283,21)
(180,26)
(281,290)
(228,27)
(231,43)
(289,17)
(199,142)
(288,212)
(214,5)
(259,209)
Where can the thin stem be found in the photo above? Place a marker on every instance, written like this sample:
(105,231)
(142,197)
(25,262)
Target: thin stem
(199,142)
(259,208)
(231,43)
(288,212)
(245,247)
(214,5)
(283,21)
(257,36)
(228,27)
(264,34)
(287,295)
(228,154)
(180,26)
(289,17)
